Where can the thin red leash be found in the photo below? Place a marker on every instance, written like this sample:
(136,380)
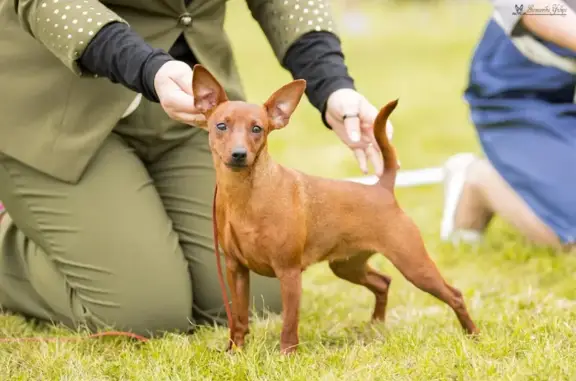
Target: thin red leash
(129,334)
(72,338)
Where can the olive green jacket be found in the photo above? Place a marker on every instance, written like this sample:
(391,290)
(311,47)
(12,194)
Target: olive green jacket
(53,117)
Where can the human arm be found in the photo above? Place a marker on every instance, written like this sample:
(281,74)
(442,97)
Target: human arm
(317,57)
(557,24)
(65,27)
(304,41)
(90,39)
(302,38)
(121,55)
(558,29)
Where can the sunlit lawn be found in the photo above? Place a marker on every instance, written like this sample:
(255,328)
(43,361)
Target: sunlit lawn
(521,298)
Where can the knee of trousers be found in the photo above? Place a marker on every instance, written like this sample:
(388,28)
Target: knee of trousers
(148,308)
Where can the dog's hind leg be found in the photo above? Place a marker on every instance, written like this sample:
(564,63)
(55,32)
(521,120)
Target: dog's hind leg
(402,244)
(356,270)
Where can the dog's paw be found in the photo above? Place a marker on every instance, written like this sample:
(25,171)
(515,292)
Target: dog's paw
(233,348)
(474,335)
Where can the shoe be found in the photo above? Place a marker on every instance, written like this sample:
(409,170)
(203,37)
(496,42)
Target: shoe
(455,170)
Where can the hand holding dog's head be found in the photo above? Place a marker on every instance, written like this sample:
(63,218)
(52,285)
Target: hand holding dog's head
(238,130)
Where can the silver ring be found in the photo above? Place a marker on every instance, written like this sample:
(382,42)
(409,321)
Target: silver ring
(346,116)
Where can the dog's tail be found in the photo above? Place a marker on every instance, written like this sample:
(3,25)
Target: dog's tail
(391,166)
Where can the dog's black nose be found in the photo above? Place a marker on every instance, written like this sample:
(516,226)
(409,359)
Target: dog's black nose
(239,154)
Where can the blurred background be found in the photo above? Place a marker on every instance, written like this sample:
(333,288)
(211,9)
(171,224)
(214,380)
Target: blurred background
(415,50)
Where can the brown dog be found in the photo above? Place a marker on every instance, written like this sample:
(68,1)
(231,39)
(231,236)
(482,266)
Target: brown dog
(276,221)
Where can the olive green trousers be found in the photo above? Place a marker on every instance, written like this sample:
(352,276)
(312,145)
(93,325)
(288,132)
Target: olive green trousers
(129,246)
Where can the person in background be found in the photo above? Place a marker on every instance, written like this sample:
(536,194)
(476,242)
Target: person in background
(522,100)
(106,183)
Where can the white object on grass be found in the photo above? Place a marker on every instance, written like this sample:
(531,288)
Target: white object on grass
(408,178)
(455,170)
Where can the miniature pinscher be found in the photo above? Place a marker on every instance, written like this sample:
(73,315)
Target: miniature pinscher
(277,221)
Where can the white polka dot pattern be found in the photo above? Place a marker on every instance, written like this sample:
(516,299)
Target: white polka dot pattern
(284,21)
(67,26)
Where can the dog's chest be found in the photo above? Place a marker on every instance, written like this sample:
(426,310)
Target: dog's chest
(253,243)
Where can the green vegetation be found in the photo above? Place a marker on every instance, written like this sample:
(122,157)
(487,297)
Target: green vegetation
(521,298)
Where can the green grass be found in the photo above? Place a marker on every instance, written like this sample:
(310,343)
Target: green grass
(523,299)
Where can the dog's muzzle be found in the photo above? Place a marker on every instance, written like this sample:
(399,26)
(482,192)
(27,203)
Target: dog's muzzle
(238,157)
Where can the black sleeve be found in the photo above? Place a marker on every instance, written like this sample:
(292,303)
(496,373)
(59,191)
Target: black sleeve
(317,57)
(122,56)
(119,54)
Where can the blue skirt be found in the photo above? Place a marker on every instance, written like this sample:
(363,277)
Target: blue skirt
(525,117)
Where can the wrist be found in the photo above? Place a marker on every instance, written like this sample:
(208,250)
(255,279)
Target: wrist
(317,57)
(341,84)
(149,70)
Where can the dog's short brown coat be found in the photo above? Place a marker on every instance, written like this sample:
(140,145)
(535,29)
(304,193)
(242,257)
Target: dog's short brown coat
(277,221)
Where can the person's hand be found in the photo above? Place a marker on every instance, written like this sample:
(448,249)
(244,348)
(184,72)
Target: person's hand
(173,84)
(351,117)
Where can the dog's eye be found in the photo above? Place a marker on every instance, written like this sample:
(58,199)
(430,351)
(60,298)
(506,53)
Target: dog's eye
(256,129)
(221,126)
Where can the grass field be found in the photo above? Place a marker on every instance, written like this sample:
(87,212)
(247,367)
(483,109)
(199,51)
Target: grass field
(523,299)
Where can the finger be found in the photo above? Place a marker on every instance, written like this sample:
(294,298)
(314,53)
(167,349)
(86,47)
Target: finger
(352,127)
(180,102)
(191,119)
(184,80)
(376,159)
(370,127)
(361,158)
(368,114)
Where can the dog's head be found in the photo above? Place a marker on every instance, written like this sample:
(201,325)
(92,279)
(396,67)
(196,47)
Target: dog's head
(238,130)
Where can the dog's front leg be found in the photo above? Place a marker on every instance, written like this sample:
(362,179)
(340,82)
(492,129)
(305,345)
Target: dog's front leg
(239,283)
(291,289)
(242,313)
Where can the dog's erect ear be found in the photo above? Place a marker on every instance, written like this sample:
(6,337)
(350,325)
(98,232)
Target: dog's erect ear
(283,102)
(208,93)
